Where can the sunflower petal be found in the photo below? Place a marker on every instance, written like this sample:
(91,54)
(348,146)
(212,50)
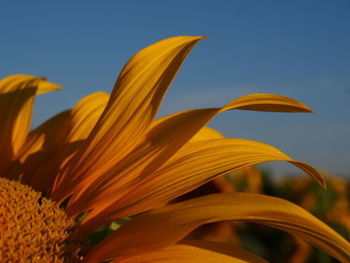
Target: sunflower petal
(49,145)
(12,82)
(168,225)
(195,164)
(268,102)
(17,94)
(134,102)
(85,115)
(162,141)
(206,133)
(195,251)
(164,138)
(39,145)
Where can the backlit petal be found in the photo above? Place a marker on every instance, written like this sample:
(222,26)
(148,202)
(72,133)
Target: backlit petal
(40,145)
(161,143)
(206,133)
(195,251)
(17,94)
(166,226)
(134,102)
(12,82)
(268,102)
(165,137)
(194,165)
(49,145)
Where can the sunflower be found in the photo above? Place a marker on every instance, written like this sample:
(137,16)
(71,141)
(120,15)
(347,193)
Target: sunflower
(108,158)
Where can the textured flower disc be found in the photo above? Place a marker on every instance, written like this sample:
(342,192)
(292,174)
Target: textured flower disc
(34,229)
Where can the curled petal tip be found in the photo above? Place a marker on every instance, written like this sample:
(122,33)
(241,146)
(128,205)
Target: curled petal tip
(194,38)
(46,86)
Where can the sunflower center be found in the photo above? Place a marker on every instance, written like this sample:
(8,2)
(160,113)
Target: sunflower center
(35,229)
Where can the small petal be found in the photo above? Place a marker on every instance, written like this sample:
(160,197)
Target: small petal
(12,82)
(268,102)
(206,133)
(17,94)
(50,145)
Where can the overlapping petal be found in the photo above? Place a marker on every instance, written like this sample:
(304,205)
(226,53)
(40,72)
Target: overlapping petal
(195,164)
(133,105)
(48,147)
(22,81)
(206,133)
(17,94)
(268,102)
(134,102)
(168,225)
(195,251)
(164,138)
(162,141)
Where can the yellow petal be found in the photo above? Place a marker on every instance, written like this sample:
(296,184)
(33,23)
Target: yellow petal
(46,86)
(12,82)
(268,102)
(85,115)
(51,134)
(165,137)
(134,102)
(195,251)
(206,133)
(166,226)
(49,145)
(17,94)
(195,164)
(162,142)
(41,168)
(39,146)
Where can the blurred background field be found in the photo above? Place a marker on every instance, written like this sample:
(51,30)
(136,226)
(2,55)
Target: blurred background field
(330,205)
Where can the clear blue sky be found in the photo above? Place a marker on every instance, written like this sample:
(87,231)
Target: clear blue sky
(299,49)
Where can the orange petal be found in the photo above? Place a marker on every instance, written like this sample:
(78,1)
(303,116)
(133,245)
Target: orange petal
(195,251)
(13,82)
(83,119)
(85,115)
(162,142)
(134,102)
(206,133)
(165,137)
(17,94)
(51,134)
(195,164)
(50,145)
(39,146)
(166,226)
(268,102)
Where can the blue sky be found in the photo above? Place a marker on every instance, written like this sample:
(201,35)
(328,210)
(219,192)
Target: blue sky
(293,48)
